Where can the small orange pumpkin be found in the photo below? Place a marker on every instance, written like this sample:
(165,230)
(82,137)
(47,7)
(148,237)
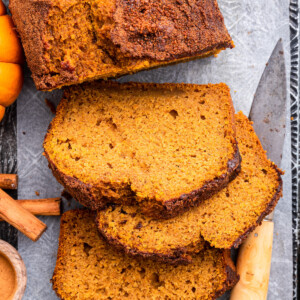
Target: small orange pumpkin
(10,46)
(2,9)
(2,111)
(11,58)
(11,82)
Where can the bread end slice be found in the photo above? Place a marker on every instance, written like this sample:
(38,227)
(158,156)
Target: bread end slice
(88,268)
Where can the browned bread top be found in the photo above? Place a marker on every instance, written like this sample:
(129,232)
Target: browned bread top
(168,30)
(223,220)
(165,147)
(87,268)
(71,41)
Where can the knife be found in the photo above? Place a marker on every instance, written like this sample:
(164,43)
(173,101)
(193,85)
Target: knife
(268,113)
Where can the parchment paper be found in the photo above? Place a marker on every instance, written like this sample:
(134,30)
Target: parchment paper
(255,27)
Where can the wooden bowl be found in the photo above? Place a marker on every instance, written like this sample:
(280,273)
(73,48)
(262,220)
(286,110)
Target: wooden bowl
(12,255)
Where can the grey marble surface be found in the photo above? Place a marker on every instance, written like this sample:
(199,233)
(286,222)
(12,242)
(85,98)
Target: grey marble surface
(255,27)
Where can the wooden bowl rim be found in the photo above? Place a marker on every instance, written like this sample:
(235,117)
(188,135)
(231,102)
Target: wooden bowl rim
(18,264)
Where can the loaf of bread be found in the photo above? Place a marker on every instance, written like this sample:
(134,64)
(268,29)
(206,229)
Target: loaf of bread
(164,147)
(223,220)
(68,42)
(88,268)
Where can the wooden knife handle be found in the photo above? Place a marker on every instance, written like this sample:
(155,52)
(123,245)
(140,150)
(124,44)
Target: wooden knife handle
(254,263)
(13,213)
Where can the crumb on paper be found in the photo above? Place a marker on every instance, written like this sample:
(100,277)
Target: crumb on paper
(292,118)
(37,193)
(50,105)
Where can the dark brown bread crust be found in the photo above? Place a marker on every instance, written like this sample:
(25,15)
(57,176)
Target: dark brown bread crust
(271,205)
(92,197)
(231,275)
(176,206)
(178,256)
(30,19)
(176,29)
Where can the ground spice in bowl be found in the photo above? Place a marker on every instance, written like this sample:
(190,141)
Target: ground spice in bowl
(13,275)
(8,278)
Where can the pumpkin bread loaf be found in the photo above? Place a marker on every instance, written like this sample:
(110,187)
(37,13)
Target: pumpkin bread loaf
(87,268)
(165,147)
(71,41)
(223,220)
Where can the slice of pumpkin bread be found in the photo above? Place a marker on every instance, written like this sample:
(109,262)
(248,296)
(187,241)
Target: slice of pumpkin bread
(223,220)
(68,42)
(88,268)
(164,147)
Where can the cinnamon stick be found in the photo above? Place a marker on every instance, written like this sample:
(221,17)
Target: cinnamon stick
(8,181)
(16,215)
(42,207)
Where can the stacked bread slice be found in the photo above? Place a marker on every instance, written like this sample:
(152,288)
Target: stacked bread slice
(88,268)
(223,220)
(160,166)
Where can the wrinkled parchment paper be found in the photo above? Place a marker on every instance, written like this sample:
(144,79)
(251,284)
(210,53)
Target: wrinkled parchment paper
(255,27)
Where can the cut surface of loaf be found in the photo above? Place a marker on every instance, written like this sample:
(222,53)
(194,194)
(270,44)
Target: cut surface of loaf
(88,268)
(164,147)
(68,42)
(223,220)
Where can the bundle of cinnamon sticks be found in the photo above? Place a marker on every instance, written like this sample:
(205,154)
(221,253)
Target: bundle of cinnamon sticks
(21,213)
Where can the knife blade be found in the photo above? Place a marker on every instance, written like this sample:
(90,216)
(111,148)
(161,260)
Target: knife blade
(268,113)
(269,117)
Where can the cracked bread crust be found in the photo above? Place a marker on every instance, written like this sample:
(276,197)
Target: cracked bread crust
(97,196)
(33,18)
(176,29)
